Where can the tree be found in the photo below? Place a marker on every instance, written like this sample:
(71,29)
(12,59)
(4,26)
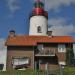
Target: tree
(69,57)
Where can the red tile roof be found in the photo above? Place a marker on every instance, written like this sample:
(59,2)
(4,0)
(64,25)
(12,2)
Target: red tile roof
(33,40)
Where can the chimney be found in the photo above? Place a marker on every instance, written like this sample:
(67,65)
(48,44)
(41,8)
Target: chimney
(49,33)
(11,33)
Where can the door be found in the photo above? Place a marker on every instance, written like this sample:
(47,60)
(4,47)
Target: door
(36,65)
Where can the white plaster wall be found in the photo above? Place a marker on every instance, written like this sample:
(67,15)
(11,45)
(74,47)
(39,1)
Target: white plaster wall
(3,53)
(36,21)
(74,50)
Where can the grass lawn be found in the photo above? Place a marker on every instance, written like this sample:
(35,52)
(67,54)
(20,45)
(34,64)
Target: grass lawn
(20,72)
(67,71)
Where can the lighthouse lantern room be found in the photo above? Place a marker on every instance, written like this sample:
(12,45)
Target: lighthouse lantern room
(38,20)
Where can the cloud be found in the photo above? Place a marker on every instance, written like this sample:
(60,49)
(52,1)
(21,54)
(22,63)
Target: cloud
(55,4)
(2,43)
(13,5)
(60,26)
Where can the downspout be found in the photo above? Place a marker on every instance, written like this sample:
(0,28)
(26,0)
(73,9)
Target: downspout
(33,57)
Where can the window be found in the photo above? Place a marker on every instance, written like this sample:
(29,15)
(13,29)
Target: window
(20,61)
(40,47)
(1,66)
(61,48)
(39,29)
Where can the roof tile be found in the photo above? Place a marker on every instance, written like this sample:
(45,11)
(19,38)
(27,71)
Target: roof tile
(33,40)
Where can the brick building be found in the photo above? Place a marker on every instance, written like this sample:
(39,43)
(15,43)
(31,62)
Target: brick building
(40,48)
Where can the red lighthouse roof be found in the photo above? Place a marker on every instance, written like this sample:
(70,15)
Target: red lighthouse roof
(39,9)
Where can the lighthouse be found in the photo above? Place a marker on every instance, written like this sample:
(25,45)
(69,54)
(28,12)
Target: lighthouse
(38,20)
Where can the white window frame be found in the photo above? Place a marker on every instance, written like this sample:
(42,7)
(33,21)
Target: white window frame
(19,61)
(61,48)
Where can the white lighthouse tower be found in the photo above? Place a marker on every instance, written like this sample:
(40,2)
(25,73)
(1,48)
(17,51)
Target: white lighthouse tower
(38,20)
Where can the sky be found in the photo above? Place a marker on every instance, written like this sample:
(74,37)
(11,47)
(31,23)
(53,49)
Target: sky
(14,14)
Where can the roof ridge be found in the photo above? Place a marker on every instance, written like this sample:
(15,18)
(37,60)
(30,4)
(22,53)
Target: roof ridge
(40,36)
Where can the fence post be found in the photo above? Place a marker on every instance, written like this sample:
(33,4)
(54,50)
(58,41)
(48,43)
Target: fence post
(47,71)
(61,69)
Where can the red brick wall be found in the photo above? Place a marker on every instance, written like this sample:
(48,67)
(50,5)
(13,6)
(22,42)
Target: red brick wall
(20,52)
(60,55)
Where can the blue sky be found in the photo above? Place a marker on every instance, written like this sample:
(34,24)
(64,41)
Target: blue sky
(14,14)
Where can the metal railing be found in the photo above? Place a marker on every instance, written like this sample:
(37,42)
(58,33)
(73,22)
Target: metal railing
(46,53)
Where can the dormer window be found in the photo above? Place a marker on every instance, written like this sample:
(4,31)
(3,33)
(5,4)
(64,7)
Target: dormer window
(39,29)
